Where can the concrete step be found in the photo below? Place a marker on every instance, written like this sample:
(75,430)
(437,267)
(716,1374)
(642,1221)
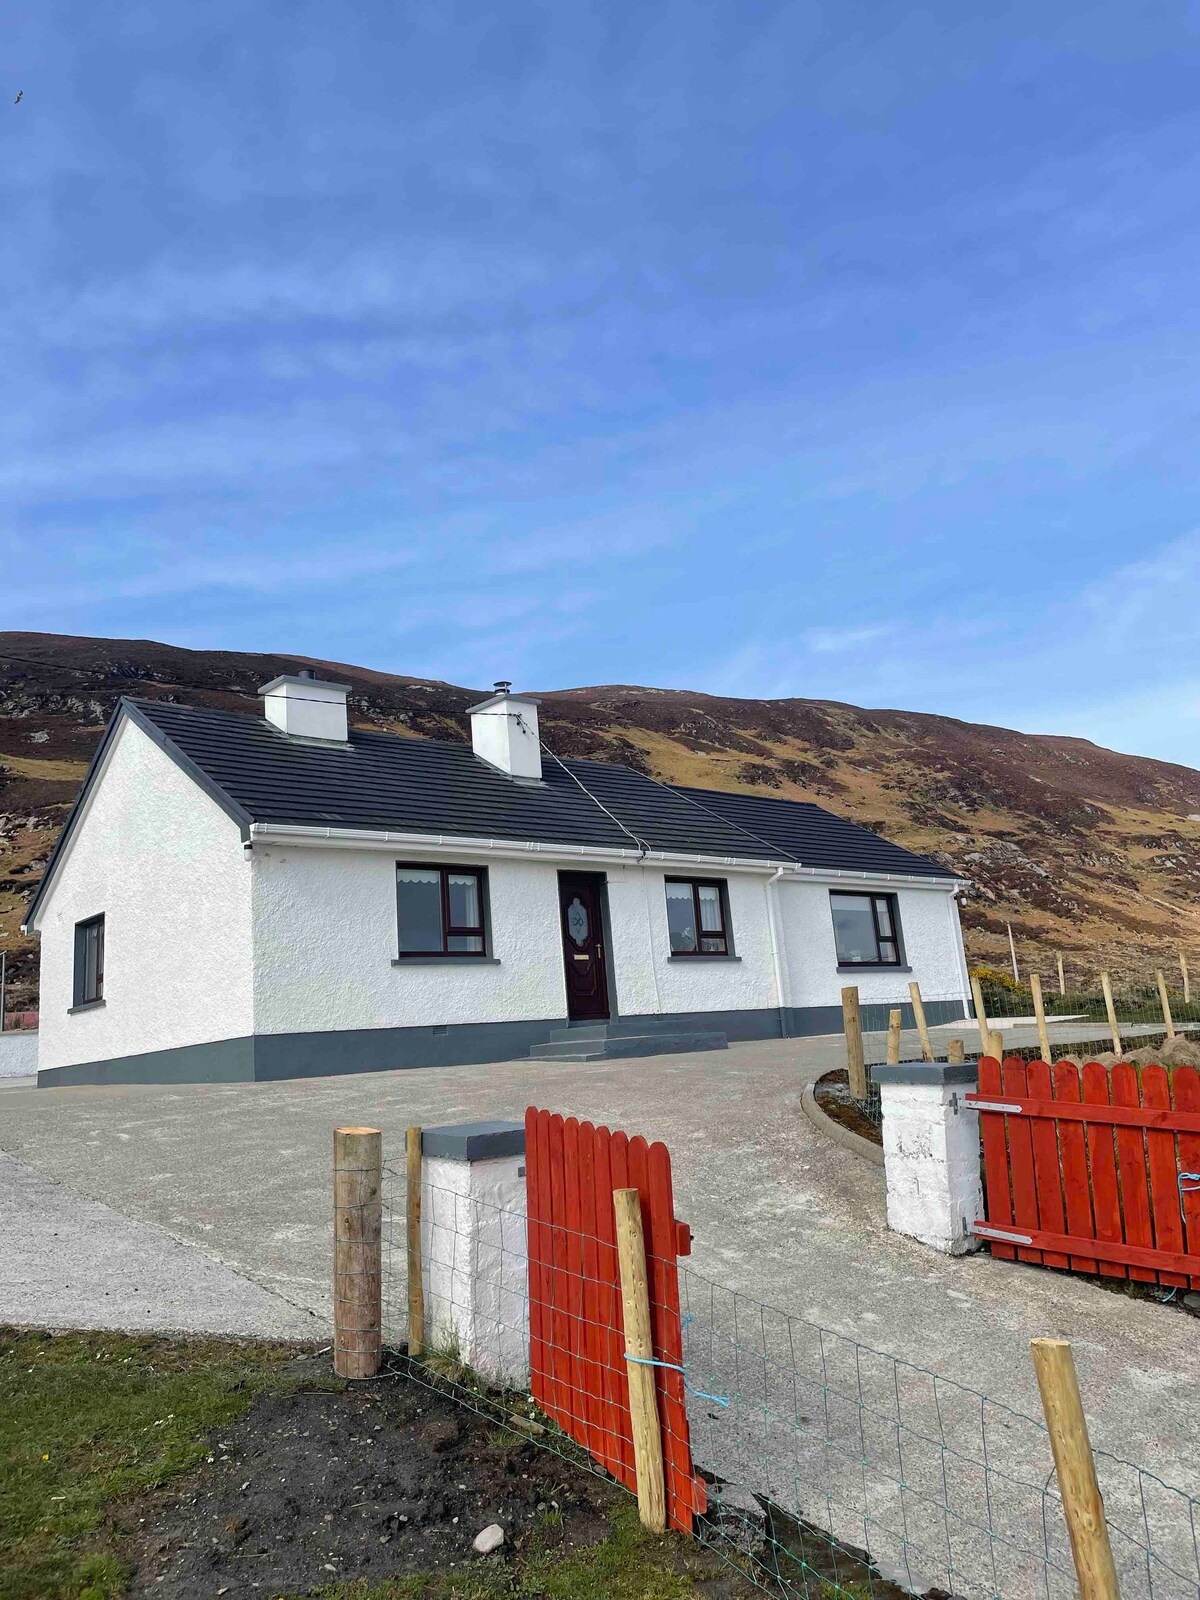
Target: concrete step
(626,1045)
(621,1028)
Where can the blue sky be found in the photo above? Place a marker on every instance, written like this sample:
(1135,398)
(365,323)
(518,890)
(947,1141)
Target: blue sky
(845,350)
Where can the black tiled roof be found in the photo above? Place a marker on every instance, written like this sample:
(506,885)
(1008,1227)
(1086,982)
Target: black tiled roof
(813,836)
(388,781)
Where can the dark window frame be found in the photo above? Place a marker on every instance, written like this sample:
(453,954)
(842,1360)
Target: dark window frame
(82,995)
(449,930)
(896,937)
(702,933)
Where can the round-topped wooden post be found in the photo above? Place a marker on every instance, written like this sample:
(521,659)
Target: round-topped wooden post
(357,1264)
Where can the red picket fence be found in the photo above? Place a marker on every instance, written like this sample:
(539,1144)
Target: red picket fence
(576,1332)
(1098,1176)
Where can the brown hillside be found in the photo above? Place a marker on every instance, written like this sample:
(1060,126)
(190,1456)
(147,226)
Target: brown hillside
(1082,849)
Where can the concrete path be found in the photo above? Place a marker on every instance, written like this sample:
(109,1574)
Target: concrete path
(781,1215)
(66,1262)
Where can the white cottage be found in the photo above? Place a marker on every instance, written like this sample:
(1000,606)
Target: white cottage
(237,897)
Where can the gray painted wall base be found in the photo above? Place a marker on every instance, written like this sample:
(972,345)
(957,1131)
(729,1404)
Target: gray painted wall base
(270,1057)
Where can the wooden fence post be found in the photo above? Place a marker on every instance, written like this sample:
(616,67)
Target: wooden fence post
(357,1251)
(1062,977)
(856,1061)
(995,1044)
(1166,1005)
(1106,985)
(914,991)
(981,1015)
(895,1018)
(1187,982)
(1039,1011)
(412,1233)
(1083,1508)
(956,1052)
(639,1356)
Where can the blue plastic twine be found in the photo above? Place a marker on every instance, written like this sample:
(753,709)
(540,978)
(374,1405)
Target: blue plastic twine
(673,1366)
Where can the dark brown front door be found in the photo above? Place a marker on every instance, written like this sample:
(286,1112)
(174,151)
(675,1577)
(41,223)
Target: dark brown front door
(583,946)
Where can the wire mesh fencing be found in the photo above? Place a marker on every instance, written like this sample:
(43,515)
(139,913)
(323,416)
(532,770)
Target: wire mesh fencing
(1091,1015)
(829,1468)
(1064,1011)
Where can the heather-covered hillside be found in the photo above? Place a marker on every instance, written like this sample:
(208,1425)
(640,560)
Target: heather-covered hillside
(1080,848)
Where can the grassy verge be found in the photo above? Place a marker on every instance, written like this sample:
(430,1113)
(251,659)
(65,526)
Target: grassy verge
(90,1419)
(94,1423)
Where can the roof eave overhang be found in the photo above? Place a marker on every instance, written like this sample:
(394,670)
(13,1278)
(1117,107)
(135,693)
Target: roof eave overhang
(445,844)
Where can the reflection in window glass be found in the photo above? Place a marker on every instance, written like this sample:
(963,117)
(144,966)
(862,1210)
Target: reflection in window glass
(439,911)
(696,917)
(866,930)
(419,903)
(464,900)
(709,897)
(681,918)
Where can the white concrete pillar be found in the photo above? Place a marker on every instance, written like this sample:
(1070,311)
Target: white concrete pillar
(473,1243)
(931,1152)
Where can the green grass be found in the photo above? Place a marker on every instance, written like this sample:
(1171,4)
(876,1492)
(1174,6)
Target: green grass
(630,1564)
(93,1419)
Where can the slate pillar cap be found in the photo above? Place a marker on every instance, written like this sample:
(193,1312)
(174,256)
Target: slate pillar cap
(933,1074)
(474,1141)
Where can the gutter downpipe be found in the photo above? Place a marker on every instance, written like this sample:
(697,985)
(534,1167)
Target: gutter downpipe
(775,927)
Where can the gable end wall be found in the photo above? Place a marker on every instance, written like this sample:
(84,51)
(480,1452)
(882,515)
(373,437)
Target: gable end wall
(165,865)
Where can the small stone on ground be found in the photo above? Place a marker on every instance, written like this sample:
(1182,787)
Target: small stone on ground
(490,1539)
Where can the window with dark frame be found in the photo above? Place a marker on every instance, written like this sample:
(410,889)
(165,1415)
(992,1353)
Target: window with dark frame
(866,929)
(439,911)
(89,961)
(697,917)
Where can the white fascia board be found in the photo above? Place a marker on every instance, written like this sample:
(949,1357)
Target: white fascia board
(907,880)
(451,845)
(517,850)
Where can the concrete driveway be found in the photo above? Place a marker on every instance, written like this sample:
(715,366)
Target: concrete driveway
(780,1213)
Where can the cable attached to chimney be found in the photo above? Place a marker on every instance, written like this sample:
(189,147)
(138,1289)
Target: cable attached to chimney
(643,847)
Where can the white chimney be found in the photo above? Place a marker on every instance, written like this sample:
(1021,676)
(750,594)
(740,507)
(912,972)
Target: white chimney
(306,707)
(504,732)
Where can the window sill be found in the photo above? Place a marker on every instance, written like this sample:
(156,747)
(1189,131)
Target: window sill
(445,961)
(86,1005)
(703,955)
(873,966)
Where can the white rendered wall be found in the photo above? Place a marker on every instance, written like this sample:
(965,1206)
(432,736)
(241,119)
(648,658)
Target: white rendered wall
(166,867)
(325,939)
(18,1052)
(932,947)
(648,981)
(476,1259)
(931,1162)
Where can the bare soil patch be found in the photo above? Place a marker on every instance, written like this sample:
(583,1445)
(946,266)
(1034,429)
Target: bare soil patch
(372,1484)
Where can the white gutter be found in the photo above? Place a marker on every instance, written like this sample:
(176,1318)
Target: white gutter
(518,850)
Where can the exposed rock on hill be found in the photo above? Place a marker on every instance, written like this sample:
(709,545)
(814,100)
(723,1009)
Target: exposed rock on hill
(1082,849)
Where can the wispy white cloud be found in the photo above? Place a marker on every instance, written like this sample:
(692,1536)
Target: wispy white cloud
(830,641)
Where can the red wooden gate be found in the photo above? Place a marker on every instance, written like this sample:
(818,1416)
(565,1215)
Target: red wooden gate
(576,1332)
(1103,1180)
